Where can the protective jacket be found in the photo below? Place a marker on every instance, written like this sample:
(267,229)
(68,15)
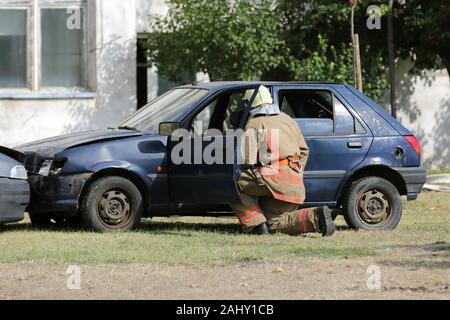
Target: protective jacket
(279,155)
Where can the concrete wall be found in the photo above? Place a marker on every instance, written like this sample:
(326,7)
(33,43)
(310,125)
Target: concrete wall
(116,64)
(112,54)
(424,108)
(146,10)
(424,102)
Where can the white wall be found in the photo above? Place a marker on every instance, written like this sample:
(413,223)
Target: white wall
(424,107)
(116,62)
(146,10)
(114,52)
(27,120)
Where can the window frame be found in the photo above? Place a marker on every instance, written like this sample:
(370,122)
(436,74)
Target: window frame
(187,121)
(334,96)
(33,9)
(28,55)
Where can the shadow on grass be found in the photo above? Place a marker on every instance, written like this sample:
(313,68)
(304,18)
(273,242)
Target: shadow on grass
(146,226)
(437,246)
(436,257)
(169,227)
(415,264)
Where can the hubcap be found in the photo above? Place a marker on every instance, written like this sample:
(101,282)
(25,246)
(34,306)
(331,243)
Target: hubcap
(114,207)
(373,207)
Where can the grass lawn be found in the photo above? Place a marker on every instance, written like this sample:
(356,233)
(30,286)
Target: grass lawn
(217,240)
(441,171)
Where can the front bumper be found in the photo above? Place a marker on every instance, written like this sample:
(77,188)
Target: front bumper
(14,198)
(414,178)
(56,194)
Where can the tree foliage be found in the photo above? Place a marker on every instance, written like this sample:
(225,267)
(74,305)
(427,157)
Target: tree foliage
(227,39)
(421,28)
(294,39)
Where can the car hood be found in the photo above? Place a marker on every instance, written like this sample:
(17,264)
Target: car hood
(51,146)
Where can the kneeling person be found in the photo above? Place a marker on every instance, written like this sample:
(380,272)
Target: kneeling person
(272,189)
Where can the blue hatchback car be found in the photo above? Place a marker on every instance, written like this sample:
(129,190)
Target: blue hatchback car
(361,159)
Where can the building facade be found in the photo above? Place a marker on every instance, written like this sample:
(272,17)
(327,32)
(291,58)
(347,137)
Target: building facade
(70,65)
(76,65)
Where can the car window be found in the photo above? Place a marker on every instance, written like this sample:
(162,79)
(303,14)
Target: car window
(203,119)
(344,122)
(219,113)
(318,112)
(236,102)
(168,107)
(307,103)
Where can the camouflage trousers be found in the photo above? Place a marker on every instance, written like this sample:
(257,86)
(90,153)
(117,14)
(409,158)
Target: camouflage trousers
(258,206)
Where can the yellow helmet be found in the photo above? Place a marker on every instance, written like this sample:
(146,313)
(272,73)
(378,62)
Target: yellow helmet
(262,97)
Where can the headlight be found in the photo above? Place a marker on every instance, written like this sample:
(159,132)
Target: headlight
(18,172)
(44,170)
(51,167)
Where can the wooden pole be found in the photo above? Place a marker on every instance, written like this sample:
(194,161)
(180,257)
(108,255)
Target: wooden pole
(357,74)
(391,60)
(352,29)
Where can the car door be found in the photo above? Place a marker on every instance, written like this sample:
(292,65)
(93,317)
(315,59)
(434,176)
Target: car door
(337,139)
(209,177)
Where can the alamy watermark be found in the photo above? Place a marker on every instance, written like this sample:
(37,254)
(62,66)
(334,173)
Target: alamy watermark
(73,21)
(73,281)
(374,19)
(373,278)
(234,146)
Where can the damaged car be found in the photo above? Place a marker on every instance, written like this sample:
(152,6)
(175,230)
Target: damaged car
(361,159)
(14,187)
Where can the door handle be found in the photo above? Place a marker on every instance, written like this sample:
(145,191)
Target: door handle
(354,145)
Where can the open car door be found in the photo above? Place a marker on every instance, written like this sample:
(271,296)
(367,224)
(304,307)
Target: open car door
(198,179)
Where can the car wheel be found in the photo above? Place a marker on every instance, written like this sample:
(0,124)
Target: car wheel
(112,204)
(372,203)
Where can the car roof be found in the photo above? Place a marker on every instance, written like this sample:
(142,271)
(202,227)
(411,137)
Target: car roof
(231,84)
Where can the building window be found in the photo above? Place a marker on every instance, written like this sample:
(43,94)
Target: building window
(40,46)
(13,48)
(61,50)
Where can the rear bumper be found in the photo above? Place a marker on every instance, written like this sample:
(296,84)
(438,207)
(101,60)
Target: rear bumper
(414,178)
(14,198)
(56,194)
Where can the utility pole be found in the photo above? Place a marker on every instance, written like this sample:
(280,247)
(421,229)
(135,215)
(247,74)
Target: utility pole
(391,58)
(357,74)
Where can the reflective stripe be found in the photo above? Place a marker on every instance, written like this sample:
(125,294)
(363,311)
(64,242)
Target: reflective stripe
(250,217)
(248,211)
(249,214)
(302,220)
(292,199)
(298,175)
(272,146)
(294,180)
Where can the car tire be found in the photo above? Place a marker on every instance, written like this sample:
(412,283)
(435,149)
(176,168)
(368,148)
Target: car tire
(372,203)
(112,204)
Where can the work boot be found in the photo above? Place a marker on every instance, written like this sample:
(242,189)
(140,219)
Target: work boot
(260,230)
(326,224)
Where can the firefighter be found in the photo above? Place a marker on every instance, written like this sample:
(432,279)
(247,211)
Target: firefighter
(271,182)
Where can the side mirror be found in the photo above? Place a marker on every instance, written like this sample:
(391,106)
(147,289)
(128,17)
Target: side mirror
(167,128)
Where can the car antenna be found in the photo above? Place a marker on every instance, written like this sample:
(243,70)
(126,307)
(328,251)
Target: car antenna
(215,78)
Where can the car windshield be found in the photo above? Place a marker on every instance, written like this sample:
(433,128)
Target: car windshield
(166,108)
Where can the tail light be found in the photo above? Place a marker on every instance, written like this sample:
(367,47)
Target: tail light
(415,143)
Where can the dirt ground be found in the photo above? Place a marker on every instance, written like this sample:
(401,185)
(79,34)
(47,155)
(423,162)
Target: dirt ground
(302,279)
(208,258)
